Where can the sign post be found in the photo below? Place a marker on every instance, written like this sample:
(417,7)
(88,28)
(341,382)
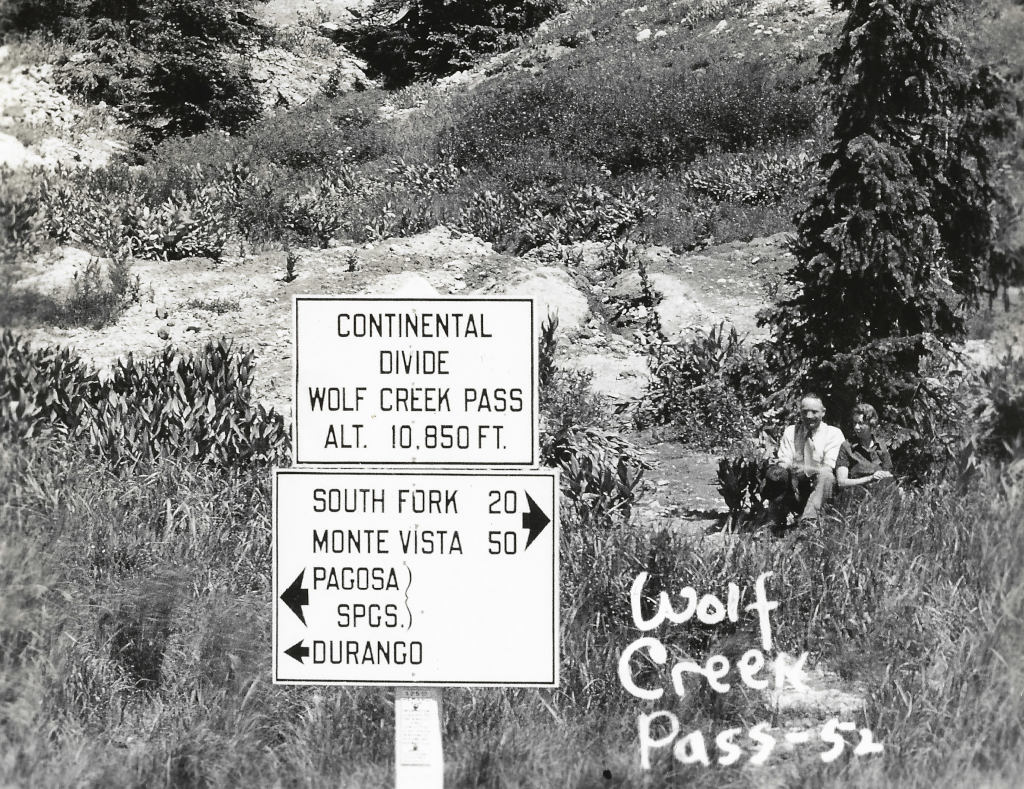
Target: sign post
(419,762)
(416,540)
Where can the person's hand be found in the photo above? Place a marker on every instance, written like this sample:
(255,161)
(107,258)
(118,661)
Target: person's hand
(881,474)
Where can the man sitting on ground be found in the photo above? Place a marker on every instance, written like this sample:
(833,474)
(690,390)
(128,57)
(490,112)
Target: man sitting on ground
(803,475)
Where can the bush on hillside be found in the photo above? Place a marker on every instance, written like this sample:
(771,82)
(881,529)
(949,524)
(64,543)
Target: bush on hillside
(194,406)
(610,113)
(101,293)
(422,39)
(111,212)
(997,421)
(174,67)
(751,178)
(19,218)
(712,388)
(600,471)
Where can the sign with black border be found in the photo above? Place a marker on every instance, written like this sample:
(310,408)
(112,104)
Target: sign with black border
(437,381)
(406,577)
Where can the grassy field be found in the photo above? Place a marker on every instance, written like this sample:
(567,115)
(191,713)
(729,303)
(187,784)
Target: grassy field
(136,650)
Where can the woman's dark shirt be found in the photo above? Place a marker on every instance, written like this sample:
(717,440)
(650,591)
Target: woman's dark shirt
(864,461)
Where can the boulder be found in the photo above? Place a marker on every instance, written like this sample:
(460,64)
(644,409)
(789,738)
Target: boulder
(331,30)
(553,292)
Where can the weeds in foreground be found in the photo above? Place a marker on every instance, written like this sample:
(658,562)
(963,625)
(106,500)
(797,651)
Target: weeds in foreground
(189,405)
(135,622)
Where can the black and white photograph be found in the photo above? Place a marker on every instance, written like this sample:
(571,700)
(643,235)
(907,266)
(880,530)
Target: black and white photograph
(513,394)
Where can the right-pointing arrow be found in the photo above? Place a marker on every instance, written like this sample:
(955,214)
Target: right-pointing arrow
(297,651)
(295,597)
(535,520)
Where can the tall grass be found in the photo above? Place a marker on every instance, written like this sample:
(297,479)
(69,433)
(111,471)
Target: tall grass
(135,650)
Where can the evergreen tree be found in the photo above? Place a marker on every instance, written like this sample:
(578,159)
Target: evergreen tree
(422,39)
(899,235)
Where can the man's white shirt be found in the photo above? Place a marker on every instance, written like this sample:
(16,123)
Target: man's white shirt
(819,450)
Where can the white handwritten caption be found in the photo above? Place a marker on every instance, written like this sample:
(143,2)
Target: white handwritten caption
(710,610)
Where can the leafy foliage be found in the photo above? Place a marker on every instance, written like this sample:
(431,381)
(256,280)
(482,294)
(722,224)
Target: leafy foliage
(899,231)
(741,480)
(101,293)
(546,348)
(533,217)
(608,112)
(197,407)
(710,387)
(432,38)
(172,66)
(753,178)
(600,471)
(112,212)
(19,218)
(997,422)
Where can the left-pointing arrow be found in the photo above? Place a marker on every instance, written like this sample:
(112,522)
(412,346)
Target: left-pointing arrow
(295,597)
(297,651)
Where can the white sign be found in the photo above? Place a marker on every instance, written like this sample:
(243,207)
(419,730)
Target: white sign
(419,759)
(434,381)
(416,578)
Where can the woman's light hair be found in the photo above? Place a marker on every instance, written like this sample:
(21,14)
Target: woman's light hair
(867,412)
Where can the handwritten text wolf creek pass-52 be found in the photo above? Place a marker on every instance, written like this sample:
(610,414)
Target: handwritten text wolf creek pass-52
(661,729)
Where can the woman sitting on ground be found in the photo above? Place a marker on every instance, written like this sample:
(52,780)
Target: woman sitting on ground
(865,460)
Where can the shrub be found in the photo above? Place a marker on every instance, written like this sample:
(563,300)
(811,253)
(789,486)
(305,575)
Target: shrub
(741,480)
(198,406)
(491,216)
(535,216)
(166,63)
(112,212)
(320,135)
(610,111)
(318,213)
(19,218)
(751,178)
(710,387)
(192,406)
(43,390)
(180,227)
(997,420)
(431,38)
(100,294)
(600,471)
(546,349)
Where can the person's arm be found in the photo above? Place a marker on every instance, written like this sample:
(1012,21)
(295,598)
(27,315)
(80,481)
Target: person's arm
(844,480)
(843,466)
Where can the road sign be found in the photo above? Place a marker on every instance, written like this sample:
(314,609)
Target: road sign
(429,381)
(401,577)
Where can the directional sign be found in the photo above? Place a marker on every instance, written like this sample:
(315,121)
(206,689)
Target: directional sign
(439,381)
(401,577)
